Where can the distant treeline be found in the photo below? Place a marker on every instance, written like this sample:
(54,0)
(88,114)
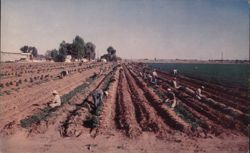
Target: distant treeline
(78,49)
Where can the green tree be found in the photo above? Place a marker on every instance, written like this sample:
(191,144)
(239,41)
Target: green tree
(111,50)
(90,51)
(111,53)
(78,49)
(34,52)
(29,49)
(24,49)
(54,55)
(63,51)
(48,55)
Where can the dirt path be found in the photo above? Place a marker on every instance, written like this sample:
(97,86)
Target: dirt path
(107,117)
(146,115)
(125,111)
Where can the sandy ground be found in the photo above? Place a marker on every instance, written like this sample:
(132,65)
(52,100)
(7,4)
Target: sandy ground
(115,142)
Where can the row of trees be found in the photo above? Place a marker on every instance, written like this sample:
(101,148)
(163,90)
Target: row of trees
(29,49)
(78,49)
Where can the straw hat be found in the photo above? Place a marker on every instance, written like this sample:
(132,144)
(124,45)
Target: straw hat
(106,93)
(55,92)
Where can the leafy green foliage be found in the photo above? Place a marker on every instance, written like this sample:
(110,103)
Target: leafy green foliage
(25,123)
(29,49)
(111,56)
(90,51)
(55,55)
(78,49)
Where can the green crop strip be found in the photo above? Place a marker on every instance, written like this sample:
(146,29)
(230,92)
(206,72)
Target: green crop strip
(27,122)
(181,112)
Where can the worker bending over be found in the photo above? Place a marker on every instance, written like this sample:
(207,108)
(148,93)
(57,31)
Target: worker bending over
(150,78)
(171,98)
(198,92)
(175,84)
(63,72)
(97,96)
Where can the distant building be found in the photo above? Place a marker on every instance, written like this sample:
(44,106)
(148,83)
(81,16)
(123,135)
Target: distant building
(68,58)
(10,56)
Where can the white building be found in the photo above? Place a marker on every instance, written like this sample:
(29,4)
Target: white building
(68,59)
(10,56)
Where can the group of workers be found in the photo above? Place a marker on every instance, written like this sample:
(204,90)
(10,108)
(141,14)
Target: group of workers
(151,77)
(97,95)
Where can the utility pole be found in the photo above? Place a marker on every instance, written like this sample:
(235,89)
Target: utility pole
(222,57)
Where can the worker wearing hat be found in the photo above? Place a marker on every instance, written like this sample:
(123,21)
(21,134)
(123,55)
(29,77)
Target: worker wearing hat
(56,101)
(175,84)
(97,96)
(171,98)
(198,92)
(154,74)
(175,72)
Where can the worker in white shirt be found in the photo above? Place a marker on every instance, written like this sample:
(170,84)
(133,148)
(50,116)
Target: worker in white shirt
(150,78)
(171,98)
(56,101)
(154,76)
(176,86)
(198,92)
(175,72)
(140,73)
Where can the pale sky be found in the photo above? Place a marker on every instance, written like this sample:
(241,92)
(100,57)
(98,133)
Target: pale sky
(169,29)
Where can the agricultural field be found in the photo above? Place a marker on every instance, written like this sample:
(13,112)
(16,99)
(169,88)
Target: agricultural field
(132,118)
(232,75)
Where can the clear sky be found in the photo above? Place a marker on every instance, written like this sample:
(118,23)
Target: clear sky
(183,29)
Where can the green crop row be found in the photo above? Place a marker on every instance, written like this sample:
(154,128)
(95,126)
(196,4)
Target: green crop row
(27,122)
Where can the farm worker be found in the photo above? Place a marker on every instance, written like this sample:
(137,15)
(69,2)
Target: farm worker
(175,72)
(140,74)
(176,86)
(198,92)
(150,78)
(144,75)
(56,101)
(97,97)
(94,75)
(171,97)
(154,76)
(63,72)
(106,93)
